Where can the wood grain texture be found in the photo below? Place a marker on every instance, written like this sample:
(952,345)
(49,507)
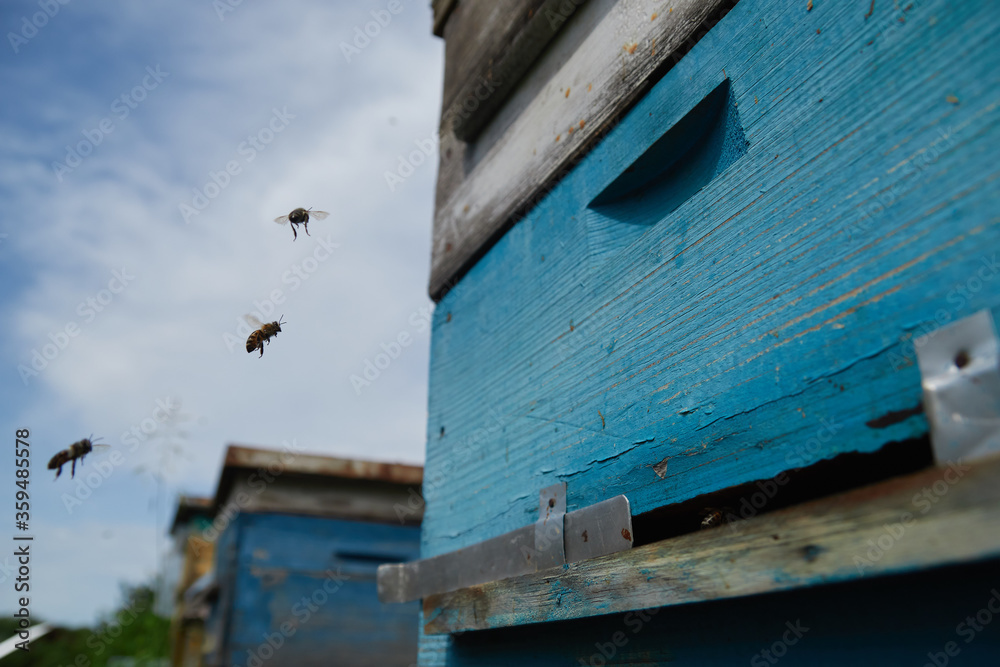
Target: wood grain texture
(442,10)
(872,622)
(489,48)
(937,517)
(765,322)
(275,570)
(515,48)
(763,325)
(583,93)
(477,36)
(305,494)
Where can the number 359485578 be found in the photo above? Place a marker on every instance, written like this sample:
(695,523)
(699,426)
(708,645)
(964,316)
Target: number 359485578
(23,464)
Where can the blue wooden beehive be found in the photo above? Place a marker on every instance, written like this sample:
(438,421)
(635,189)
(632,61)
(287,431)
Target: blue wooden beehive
(682,253)
(298,540)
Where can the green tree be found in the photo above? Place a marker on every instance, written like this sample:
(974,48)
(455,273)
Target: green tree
(132,631)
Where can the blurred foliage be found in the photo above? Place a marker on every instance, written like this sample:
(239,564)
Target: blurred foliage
(131,631)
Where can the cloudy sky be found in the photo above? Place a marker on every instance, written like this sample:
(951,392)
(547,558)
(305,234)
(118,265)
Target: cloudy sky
(144,150)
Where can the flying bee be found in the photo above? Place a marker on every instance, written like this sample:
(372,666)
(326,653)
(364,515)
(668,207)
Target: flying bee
(263,334)
(77,450)
(300,216)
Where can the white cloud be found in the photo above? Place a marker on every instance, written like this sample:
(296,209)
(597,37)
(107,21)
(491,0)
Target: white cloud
(163,335)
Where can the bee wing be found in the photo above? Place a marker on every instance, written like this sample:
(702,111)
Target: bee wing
(253,321)
(319,215)
(99,446)
(282,220)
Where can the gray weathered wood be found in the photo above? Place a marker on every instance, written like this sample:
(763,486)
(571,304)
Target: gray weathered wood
(332,498)
(512,52)
(577,91)
(476,36)
(290,482)
(442,10)
(935,517)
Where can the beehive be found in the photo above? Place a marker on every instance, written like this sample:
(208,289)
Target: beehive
(681,253)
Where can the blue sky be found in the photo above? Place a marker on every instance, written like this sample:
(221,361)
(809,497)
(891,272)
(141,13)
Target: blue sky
(116,117)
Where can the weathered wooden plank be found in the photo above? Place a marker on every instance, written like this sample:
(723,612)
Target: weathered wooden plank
(874,622)
(937,517)
(261,480)
(477,37)
(595,68)
(345,499)
(512,51)
(763,325)
(442,10)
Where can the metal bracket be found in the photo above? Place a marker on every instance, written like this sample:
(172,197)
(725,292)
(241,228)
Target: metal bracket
(549,547)
(557,537)
(960,371)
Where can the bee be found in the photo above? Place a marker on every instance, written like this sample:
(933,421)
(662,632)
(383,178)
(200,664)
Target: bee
(263,333)
(300,216)
(77,450)
(716,516)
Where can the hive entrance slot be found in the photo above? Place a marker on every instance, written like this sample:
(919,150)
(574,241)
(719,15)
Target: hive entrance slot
(368,558)
(731,506)
(691,154)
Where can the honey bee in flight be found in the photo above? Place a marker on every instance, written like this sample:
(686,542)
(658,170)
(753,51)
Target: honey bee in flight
(77,450)
(263,333)
(300,216)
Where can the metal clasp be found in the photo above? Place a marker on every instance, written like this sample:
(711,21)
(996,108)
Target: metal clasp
(960,374)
